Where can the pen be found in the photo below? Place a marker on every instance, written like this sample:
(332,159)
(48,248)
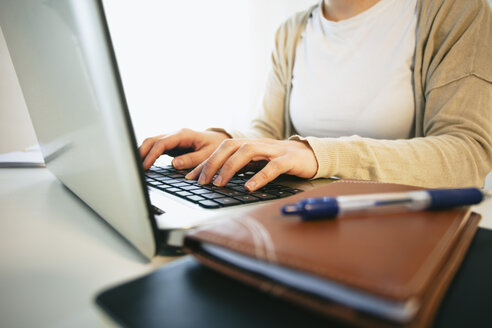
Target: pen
(432,199)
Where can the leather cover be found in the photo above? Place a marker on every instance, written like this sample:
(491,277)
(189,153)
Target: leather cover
(399,257)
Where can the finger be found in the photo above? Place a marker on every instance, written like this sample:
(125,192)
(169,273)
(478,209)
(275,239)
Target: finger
(163,144)
(147,144)
(217,159)
(195,173)
(192,159)
(241,158)
(269,173)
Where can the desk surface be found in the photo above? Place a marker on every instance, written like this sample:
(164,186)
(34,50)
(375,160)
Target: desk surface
(56,254)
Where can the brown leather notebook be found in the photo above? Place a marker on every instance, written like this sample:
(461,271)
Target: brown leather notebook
(368,270)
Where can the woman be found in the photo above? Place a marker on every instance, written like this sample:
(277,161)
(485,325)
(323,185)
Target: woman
(390,90)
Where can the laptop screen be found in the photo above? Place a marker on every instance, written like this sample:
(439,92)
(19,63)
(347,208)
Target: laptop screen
(65,64)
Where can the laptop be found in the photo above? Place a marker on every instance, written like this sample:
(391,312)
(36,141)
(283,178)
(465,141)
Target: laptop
(66,67)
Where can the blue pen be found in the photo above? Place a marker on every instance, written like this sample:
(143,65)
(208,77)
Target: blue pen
(433,199)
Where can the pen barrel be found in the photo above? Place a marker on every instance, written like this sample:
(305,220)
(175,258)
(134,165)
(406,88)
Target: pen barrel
(384,202)
(448,198)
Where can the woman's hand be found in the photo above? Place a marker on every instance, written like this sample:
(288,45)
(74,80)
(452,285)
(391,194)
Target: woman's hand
(199,144)
(287,156)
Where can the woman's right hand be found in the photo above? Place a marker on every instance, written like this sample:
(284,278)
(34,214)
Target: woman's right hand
(201,144)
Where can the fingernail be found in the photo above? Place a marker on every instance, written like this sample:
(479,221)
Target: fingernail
(202,179)
(218,181)
(250,185)
(189,176)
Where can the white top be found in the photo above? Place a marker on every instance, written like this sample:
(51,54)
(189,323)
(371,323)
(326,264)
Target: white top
(354,77)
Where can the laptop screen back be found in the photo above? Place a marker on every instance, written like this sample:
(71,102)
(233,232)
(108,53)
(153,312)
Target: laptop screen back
(65,64)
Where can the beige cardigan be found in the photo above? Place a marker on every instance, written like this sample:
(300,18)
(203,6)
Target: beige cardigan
(451,144)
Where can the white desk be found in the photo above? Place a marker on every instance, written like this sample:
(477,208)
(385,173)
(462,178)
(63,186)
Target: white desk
(55,254)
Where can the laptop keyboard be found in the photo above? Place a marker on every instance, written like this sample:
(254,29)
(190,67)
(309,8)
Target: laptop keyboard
(172,181)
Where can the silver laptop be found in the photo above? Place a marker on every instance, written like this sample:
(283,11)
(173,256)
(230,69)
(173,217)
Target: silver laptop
(66,67)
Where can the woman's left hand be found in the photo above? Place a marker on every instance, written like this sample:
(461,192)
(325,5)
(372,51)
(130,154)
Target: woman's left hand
(285,156)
